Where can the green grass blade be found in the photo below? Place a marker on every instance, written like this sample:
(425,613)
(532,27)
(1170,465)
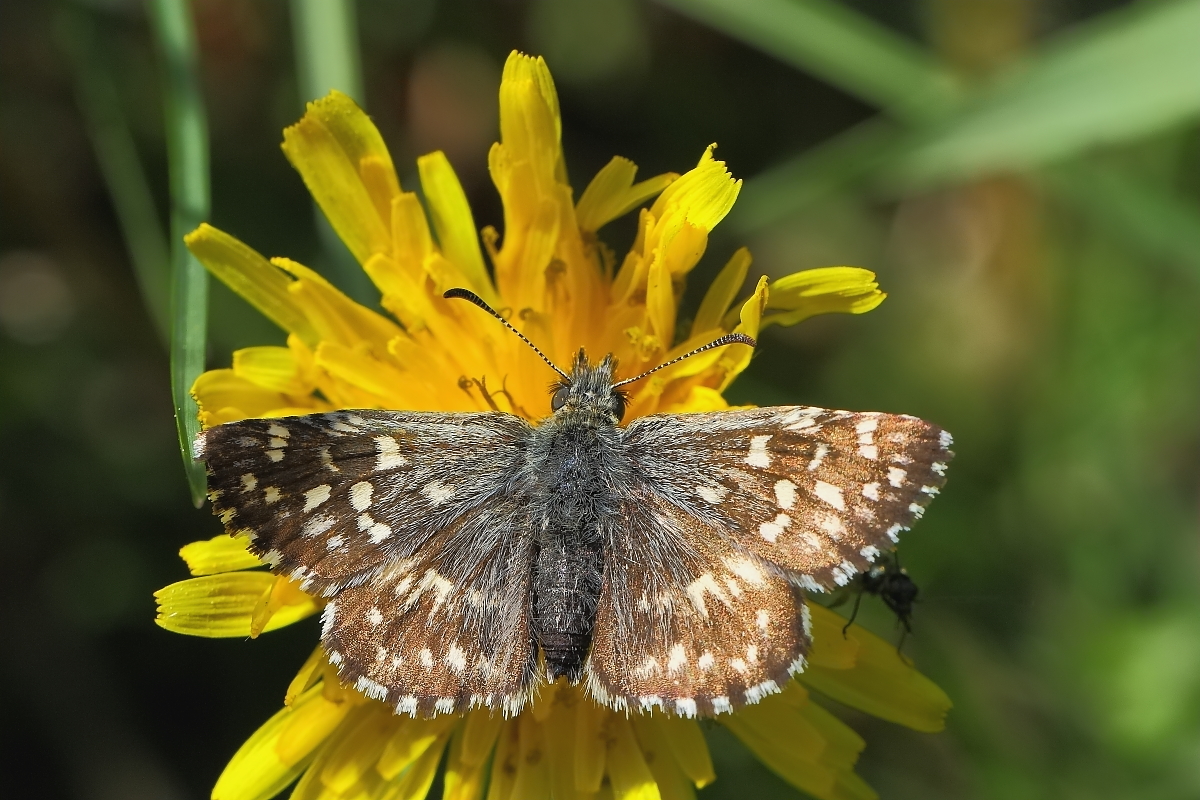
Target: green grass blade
(120,167)
(187,154)
(1131,73)
(325,35)
(849,50)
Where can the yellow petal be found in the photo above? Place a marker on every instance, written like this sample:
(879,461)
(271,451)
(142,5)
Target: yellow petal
(704,194)
(504,764)
(590,746)
(786,743)
(307,677)
(333,315)
(273,368)
(687,745)
(532,781)
(722,292)
(612,193)
(467,764)
(222,553)
(831,649)
(847,290)
(736,358)
(284,597)
(462,781)
(410,741)
(653,741)
(221,606)
(252,277)
(882,684)
(453,222)
(628,773)
(261,768)
(222,390)
(344,163)
(357,747)
(414,784)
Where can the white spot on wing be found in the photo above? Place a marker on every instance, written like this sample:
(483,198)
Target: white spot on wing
(896,476)
(685,707)
(697,589)
(360,495)
(830,494)
(677,658)
(706,661)
(437,492)
(785,494)
(456,659)
(867,425)
(818,456)
(388,455)
(757,455)
(275,455)
(315,496)
(372,689)
(711,492)
(271,495)
(249,482)
(721,705)
(771,529)
(871,491)
(375,616)
(869,451)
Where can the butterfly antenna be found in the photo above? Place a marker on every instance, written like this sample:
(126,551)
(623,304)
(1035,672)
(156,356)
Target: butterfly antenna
(467,294)
(729,338)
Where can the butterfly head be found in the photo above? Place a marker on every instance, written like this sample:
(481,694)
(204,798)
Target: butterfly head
(589,388)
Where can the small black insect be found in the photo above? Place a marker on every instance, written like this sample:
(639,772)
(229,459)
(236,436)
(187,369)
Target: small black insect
(890,582)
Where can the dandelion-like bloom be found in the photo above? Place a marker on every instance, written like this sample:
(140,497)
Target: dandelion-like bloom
(557,282)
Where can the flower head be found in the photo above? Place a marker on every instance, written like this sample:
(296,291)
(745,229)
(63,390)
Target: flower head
(555,280)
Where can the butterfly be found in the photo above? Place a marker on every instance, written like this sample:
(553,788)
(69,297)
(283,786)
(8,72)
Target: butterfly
(469,558)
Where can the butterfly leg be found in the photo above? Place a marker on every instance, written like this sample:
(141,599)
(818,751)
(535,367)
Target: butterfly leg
(853,614)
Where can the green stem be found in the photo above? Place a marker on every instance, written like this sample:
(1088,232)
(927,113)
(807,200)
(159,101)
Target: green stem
(187,153)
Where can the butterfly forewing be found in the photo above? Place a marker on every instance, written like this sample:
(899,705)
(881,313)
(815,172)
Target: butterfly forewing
(817,492)
(414,522)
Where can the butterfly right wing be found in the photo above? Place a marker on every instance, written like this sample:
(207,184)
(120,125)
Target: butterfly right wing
(415,524)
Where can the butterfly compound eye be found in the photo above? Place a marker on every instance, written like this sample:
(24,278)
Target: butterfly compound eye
(618,405)
(560,398)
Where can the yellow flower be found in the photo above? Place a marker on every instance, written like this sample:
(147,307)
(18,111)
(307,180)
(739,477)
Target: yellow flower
(556,281)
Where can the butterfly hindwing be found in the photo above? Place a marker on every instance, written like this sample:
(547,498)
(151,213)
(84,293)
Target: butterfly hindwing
(817,492)
(414,524)
(447,629)
(687,623)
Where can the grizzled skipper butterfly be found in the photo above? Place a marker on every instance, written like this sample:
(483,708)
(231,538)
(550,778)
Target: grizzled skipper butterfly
(470,557)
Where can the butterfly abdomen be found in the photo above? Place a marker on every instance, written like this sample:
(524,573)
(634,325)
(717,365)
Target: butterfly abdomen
(570,457)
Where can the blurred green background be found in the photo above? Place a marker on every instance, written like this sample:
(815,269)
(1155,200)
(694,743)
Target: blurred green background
(1023,175)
